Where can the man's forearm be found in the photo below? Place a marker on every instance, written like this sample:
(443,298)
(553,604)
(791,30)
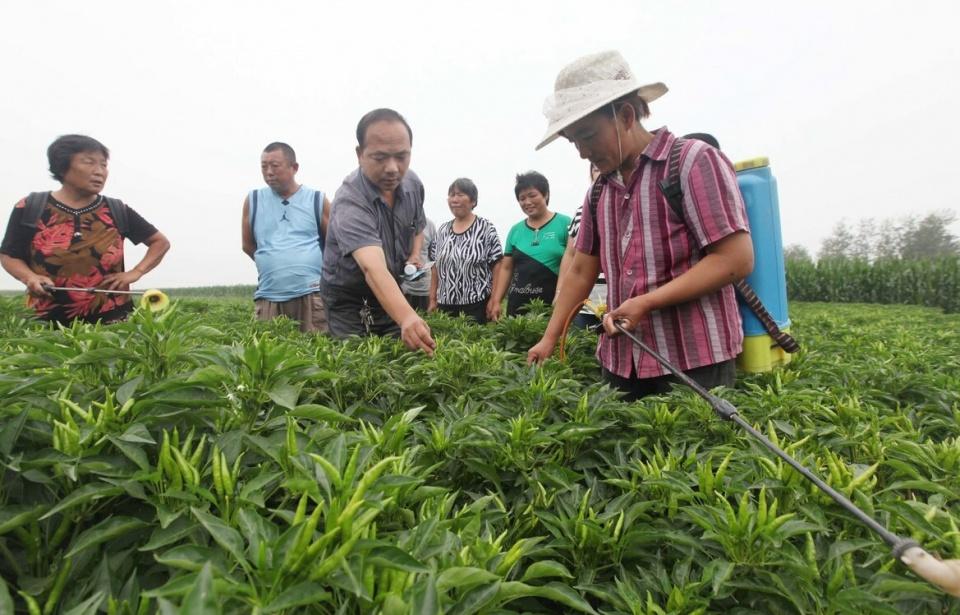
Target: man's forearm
(565,263)
(728,261)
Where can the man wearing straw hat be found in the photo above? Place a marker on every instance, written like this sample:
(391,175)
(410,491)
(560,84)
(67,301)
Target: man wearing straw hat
(668,278)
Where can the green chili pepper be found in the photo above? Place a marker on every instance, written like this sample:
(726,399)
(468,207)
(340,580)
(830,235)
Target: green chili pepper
(58,584)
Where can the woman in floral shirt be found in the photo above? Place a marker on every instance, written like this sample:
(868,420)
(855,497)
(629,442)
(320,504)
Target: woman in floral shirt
(76,241)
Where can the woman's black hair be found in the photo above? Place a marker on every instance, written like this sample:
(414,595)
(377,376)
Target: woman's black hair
(532,179)
(62,151)
(465,186)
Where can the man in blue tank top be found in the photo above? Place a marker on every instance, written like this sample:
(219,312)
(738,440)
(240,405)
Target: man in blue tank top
(284,225)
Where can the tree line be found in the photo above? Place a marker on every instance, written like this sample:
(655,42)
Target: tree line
(910,237)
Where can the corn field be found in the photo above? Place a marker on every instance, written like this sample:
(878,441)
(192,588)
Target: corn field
(199,462)
(932,282)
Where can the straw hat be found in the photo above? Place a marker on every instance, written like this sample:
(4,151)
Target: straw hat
(588,83)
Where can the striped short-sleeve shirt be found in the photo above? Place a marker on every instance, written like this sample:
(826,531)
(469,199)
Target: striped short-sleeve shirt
(643,244)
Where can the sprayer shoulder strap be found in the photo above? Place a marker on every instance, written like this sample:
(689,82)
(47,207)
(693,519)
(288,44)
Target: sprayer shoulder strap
(672,190)
(36,201)
(253,214)
(118,211)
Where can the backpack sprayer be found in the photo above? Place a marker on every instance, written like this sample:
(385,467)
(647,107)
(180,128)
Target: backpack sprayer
(766,345)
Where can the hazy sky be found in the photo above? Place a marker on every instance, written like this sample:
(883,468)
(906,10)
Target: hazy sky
(855,103)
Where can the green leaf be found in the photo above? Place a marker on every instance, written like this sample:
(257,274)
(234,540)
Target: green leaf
(107,529)
(284,395)
(554,591)
(6,602)
(424,600)
(719,572)
(87,493)
(565,596)
(175,587)
(132,452)
(223,534)
(127,389)
(89,606)
(546,568)
(102,355)
(138,434)
(476,598)
(254,488)
(348,577)
(393,557)
(36,476)
(11,432)
(302,594)
(463,576)
(266,447)
(165,607)
(180,528)
(187,557)
(316,412)
(202,599)
(12,517)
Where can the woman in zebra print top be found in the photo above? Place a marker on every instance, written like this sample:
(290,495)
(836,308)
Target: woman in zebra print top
(466,255)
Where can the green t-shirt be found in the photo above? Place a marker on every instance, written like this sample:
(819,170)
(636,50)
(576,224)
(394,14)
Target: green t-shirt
(536,257)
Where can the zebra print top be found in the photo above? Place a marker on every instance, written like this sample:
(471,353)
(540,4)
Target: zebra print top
(574,227)
(462,262)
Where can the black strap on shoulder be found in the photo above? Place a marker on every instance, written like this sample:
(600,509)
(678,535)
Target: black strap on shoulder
(35,202)
(318,214)
(595,193)
(118,211)
(672,190)
(670,187)
(253,214)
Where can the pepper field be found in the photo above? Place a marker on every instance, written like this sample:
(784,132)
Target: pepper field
(200,462)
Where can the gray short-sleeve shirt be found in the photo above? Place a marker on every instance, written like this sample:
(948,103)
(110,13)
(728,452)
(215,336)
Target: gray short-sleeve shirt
(359,218)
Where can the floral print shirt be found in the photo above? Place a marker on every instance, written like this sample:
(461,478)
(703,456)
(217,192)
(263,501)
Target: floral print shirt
(74,248)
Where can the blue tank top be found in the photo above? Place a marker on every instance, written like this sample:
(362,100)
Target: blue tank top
(288,257)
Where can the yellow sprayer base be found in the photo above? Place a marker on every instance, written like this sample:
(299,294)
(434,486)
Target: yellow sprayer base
(761,354)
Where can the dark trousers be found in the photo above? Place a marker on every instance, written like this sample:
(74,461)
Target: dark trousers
(708,376)
(476,311)
(355,313)
(418,302)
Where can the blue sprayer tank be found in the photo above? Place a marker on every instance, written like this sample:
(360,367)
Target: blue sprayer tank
(759,189)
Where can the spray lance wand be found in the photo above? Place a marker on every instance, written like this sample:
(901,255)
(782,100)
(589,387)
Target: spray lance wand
(153,299)
(944,574)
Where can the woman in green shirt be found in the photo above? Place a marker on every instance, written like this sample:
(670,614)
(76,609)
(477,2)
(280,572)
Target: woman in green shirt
(533,250)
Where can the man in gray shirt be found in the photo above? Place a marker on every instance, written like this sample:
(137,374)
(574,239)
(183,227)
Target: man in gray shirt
(376,227)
